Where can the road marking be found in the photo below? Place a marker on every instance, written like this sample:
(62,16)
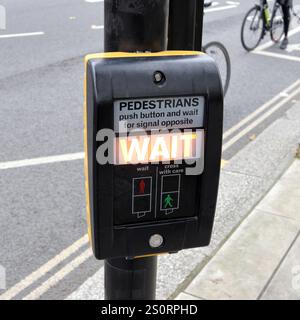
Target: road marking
(270,43)
(284,94)
(260,109)
(220,8)
(259,120)
(36,275)
(17,35)
(58,276)
(40,161)
(233,3)
(278,56)
(261,49)
(293,47)
(95,27)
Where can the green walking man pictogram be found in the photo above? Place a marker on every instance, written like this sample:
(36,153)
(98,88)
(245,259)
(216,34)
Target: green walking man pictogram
(168,202)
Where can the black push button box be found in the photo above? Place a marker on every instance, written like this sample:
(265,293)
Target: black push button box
(153,151)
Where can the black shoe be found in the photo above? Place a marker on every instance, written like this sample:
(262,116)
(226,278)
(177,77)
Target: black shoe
(284,43)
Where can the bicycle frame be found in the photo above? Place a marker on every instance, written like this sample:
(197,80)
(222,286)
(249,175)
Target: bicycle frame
(260,8)
(266,13)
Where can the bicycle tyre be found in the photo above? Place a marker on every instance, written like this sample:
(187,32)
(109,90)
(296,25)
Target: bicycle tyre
(256,10)
(275,37)
(220,46)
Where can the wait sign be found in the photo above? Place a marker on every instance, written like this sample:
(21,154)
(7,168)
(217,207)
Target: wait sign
(156,148)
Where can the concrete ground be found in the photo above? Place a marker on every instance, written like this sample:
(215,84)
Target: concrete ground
(261,260)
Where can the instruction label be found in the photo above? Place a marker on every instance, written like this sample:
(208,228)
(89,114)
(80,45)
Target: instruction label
(159,113)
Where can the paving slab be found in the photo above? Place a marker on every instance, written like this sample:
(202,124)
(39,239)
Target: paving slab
(248,259)
(184,296)
(293,171)
(284,198)
(285,284)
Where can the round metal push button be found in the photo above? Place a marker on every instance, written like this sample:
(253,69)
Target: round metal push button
(156,241)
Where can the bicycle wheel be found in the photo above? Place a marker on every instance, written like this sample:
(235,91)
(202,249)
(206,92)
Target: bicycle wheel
(277,24)
(219,53)
(252,28)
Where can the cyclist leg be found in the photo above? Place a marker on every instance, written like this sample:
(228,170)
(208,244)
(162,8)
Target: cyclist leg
(286,6)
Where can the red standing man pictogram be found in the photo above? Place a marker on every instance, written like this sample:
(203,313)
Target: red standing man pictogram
(142,186)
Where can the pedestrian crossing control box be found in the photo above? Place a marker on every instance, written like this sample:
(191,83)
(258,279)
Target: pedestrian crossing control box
(153,141)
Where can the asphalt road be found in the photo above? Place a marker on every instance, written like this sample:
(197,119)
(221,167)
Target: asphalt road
(42,207)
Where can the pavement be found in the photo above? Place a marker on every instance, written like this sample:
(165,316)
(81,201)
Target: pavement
(261,259)
(44,247)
